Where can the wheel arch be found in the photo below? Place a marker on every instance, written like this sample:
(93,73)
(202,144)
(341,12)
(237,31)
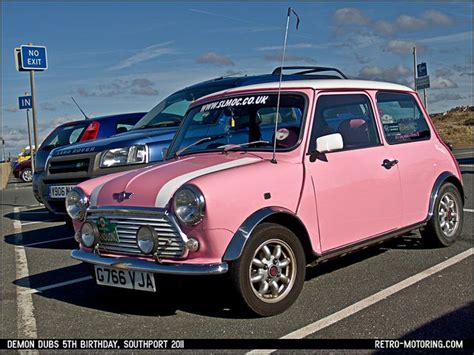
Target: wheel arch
(440,181)
(277,215)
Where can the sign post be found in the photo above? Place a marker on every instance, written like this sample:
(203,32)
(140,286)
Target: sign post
(32,58)
(25,103)
(423,80)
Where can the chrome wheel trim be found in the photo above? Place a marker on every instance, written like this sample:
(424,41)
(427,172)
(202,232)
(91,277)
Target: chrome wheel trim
(27,175)
(448,214)
(272,271)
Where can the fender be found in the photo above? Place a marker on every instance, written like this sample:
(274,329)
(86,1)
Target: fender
(437,186)
(237,244)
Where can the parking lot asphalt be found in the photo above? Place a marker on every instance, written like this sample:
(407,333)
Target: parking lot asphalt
(46,294)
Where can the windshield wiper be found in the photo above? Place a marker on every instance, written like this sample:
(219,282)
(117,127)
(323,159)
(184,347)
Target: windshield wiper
(202,140)
(228,147)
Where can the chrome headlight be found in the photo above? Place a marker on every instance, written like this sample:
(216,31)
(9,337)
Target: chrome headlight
(189,205)
(135,154)
(76,203)
(89,234)
(147,240)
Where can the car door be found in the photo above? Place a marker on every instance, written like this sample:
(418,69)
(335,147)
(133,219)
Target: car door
(357,197)
(408,138)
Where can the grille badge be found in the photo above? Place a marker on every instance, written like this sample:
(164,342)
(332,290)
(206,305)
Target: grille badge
(121,196)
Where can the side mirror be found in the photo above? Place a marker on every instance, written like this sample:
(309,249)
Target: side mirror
(329,143)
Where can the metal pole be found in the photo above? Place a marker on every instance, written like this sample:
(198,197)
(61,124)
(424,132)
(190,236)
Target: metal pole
(425,99)
(414,68)
(33,106)
(279,87)
(29,140)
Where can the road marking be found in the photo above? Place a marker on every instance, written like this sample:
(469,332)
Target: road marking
(26,322)
(468,210)
(60,284)
(47,241)
(369,301)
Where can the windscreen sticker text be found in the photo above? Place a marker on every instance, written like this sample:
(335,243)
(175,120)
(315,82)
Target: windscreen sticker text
(238,101)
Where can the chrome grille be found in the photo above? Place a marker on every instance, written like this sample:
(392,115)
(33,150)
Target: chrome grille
(170,242)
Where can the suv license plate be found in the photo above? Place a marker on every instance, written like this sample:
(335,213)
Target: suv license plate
(59,191)
(134,280)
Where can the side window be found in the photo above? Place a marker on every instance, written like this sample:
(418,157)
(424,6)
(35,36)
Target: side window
(402,119)
(350,115)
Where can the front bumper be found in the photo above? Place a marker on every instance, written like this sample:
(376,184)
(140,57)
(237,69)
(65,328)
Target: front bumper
(148,266)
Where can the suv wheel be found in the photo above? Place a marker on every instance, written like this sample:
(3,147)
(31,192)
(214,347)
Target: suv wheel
(270,273)
(26,175)
(445,225)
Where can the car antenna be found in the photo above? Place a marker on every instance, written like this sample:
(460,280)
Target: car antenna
(290,10)
(80,109)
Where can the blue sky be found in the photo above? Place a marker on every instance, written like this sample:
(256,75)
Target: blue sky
(124,57)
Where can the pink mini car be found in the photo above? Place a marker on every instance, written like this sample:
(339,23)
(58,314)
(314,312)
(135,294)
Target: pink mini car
(355,163)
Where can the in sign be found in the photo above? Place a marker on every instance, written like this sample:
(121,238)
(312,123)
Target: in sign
(24,102)
(422,70)
(34,58)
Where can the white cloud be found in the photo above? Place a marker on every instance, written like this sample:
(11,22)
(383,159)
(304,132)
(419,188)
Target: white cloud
(406,22)
(437,18)
(441,82)
(398,74)
(351,16)
(146,54)
(403,47)
(214,58)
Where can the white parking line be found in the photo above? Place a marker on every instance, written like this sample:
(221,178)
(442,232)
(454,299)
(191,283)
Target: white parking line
(468,210)
(37,222)
(60,284)
(369,301)
(26,322)
(48,241)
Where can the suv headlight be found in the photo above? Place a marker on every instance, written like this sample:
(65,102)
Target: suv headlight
(135,154)
(76,203)
(189,204)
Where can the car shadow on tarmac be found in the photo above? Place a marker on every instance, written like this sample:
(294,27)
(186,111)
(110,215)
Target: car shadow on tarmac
(44,238)
(35,215)
(203,295)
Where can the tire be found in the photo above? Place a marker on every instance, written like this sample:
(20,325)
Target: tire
(284,280)
(445,226)
(26,175)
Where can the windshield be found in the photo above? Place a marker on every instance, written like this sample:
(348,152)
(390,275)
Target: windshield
(171,110)
(242,123)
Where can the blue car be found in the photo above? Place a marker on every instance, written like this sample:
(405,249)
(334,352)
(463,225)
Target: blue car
(76,132)
(146,142)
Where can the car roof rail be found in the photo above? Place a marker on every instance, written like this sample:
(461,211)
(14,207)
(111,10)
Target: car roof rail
(308,70)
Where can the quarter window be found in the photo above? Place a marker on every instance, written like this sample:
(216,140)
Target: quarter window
(401,117)
(349,115)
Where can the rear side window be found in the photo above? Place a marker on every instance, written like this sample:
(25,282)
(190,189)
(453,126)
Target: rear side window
(65,135)
(349,115)
(401,117)
(125,124)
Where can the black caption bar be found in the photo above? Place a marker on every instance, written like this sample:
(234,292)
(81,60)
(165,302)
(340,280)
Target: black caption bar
(144,344)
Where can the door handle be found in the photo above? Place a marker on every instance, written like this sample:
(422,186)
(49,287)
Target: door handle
(387,164)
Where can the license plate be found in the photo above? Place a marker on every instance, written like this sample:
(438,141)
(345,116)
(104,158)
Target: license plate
(133,280)
(59,191)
